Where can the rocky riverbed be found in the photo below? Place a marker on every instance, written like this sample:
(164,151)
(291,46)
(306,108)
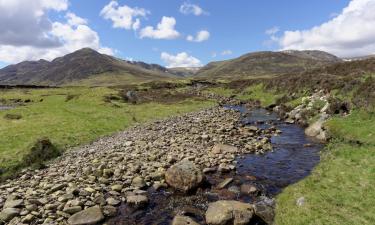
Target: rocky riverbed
(138,176)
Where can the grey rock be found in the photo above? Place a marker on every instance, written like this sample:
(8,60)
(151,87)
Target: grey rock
(184,176)
(88,216)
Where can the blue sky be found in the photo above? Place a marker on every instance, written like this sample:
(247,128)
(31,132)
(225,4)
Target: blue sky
(234,28)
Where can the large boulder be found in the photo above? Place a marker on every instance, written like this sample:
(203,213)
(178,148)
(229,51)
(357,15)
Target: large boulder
(91,215)
(184,176)
(229,212)
(265,209)
(317,128)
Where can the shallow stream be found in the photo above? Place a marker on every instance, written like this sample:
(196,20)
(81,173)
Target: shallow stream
(293,158)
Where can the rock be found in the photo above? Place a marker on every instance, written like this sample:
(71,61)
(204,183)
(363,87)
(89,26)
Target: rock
(72,209)
(113,202)
(117,187)
(8,214)
(13,203)
(91,215)
(248,189)
(265,209)
(209,170)
(300,201)
(183,220)
(137,200)
(224,183)
(224,211)
(184,176)
(109,210)
(138,182)
(28,219)
(221,148)
(316,128)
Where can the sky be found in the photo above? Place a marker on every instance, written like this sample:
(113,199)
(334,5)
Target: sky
(183,33)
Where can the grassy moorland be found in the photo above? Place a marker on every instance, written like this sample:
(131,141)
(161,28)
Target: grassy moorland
(73,116)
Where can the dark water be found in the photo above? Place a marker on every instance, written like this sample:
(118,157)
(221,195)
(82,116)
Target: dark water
(270,173)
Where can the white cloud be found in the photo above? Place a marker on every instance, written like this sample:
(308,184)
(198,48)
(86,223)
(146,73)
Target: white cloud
(226,52)
(351,33)
(272,30)
(182,59)
(188,8)
(213,54)
(164,30)
(123,16)
(27,33)
(202,35)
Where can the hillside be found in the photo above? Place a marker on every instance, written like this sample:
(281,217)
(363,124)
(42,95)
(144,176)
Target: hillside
(84,66)
(259,64)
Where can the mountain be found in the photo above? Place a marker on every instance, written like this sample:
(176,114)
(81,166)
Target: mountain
(83,67)
(267,63)
(184,71)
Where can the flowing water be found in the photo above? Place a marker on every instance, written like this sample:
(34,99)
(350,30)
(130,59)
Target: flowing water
(5,107)
(293,158)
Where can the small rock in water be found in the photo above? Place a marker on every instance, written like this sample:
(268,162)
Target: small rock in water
(137,200)
(183,220)
(225,211)
(224,183)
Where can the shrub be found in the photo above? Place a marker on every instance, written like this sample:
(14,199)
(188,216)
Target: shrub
(12,116)
(39,152)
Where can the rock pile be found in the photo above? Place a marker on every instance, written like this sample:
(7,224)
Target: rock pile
(88,183)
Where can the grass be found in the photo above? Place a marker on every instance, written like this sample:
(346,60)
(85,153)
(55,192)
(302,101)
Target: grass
(258,92)
(221,91)
(79,120)
(340,190)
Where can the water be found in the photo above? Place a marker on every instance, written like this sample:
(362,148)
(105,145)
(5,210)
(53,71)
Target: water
(5,107)
(290,162)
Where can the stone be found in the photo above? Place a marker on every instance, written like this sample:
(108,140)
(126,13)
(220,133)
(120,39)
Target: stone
(248,189)
(224,183)
(117,187)
(300,201)
(113,202)
(28,218)
(88,216)
(265,209)
(8,214)
(72,209)
(13,203)
(221,149)
(137,200)
(184,176)
(224,211)
(138,182)
(183,220)
(109,210)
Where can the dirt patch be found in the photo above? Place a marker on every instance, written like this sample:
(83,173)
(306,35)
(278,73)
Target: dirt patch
(164,96)
(12,116)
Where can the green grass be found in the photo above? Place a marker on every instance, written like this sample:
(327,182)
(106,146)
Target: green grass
(258,92)
(340,190)
(77,121)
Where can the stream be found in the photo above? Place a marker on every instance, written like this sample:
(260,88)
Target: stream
(293,158)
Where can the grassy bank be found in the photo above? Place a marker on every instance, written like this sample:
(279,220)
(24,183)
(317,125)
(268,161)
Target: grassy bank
(73,116)
(340,189)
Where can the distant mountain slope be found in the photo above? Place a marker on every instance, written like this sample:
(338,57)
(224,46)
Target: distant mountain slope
(268,64)
(84,66)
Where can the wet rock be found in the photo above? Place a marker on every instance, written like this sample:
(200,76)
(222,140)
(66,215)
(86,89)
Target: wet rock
(184,176)
(91,215)
(109,210)
(137,200)
(113,202)
(248,189)
(224,183)
(265,209)
(183,220)
(229,212)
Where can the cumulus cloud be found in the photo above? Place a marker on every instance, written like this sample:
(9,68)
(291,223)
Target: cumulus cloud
(202,35)
(123,16)
(182,59)
(350,33)
(27,33)
(164,30)
(272,30)
(188,8)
